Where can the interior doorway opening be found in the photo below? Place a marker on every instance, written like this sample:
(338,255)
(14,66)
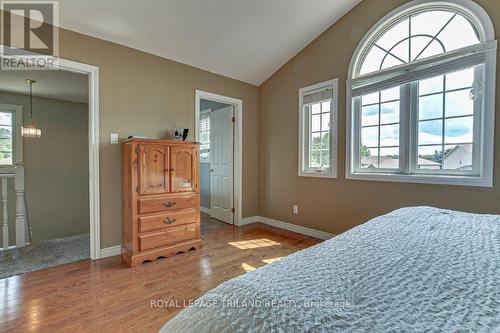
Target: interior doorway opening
(218,122)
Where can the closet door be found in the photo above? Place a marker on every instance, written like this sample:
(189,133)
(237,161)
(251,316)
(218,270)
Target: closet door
(153,169)
(183,166)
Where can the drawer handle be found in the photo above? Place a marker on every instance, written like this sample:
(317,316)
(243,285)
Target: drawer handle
(169,204)
(169,221)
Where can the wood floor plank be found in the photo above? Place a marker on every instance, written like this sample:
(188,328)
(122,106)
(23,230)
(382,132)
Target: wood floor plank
(107,296)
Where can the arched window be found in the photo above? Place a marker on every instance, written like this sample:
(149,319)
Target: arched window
(421,94)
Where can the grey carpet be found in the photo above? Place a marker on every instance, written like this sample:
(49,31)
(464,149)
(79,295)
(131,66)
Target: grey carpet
(44,254)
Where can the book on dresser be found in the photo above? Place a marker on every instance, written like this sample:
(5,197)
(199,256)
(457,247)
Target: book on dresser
(161,199)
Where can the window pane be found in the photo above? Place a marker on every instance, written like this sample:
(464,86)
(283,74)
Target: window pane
(325,140)
(459,33)
(325,121)
(370,99)
(432,85)
(434,48)
(369,115)
(402,51)
(430,107)
(390,94)
(316,108)
(461,79)
(372,61)
(316,141)
(389,135)
(430,157)
(389,158)
(429,23)
(430,132)
(316,123)
(6,118)
(418,43)
(315,159)
(458,157)
(326,106)
(5,132)
(369,157)
(391,61)
(458,130)
(325,158)
(459,103)
(6,145)
(394,35)
(6,158)
(369,136)
(389,113)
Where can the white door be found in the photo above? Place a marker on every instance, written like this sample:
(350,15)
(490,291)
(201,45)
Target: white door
(221,168)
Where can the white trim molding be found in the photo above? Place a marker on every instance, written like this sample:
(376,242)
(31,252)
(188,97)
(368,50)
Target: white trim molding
(94,198)
(111,251)
(238,143)
(288,226)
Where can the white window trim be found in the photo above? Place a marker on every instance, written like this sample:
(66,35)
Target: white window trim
(487,122)
(17,139)
(332,171)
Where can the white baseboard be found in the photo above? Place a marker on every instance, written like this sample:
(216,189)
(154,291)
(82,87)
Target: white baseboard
(205,210)
(288,226)
(111,251)
(249,220)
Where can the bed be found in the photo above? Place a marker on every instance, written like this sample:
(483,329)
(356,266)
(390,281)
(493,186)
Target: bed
(414,269)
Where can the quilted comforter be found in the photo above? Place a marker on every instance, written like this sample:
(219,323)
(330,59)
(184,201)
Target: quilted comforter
(413,270)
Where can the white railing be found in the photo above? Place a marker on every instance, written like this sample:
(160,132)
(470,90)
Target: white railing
(20,221)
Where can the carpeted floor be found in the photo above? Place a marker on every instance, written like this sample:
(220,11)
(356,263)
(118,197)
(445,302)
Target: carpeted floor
(44,254)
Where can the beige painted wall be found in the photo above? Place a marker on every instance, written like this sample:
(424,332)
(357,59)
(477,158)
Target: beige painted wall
(56,169)
(143,94)
(335,205)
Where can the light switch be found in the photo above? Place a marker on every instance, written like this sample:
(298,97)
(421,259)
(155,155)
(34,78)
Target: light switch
(114,138)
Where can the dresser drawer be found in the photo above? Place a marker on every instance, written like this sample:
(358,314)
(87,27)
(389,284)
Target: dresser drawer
(166,203)
(167,220)
(168,237)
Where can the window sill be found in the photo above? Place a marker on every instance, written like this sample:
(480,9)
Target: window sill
(317,174)
(423,179)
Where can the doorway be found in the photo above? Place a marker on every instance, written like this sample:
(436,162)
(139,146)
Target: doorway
(218,125)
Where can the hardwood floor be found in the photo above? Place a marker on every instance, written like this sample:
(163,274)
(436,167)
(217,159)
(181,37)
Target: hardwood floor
(107,296)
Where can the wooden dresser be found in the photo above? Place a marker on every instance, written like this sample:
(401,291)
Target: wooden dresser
(161,199)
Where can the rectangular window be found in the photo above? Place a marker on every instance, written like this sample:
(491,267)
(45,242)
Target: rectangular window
(318,129)
(205,135)
(421,130)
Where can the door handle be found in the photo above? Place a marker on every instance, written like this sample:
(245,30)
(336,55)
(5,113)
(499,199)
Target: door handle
(169,221)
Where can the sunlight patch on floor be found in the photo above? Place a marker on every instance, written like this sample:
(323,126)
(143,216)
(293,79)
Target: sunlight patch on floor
(247,267)
(268,261)
(254,243)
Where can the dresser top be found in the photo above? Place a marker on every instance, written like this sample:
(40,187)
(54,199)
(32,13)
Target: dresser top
(159,141)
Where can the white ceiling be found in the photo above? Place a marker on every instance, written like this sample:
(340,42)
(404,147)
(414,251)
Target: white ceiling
(54,84)
(246,40)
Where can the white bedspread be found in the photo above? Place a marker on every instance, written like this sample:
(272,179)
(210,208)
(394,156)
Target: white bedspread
(416,269)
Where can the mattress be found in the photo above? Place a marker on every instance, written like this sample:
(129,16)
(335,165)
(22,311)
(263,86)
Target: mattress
(415,269)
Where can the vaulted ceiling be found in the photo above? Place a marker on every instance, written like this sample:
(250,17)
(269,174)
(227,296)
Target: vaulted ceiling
(247,40)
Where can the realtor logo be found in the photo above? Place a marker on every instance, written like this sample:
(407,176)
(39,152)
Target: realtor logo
(29,35)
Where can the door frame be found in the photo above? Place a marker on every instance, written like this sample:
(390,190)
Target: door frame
(238,143)
(92,73)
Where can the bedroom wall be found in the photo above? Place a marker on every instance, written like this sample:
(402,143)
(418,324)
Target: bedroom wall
(335,205)
(143,94)
(56,169)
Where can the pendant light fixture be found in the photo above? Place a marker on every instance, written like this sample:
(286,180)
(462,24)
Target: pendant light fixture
(31,131)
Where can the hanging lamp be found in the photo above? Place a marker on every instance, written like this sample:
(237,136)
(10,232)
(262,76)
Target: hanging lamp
(31,131)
